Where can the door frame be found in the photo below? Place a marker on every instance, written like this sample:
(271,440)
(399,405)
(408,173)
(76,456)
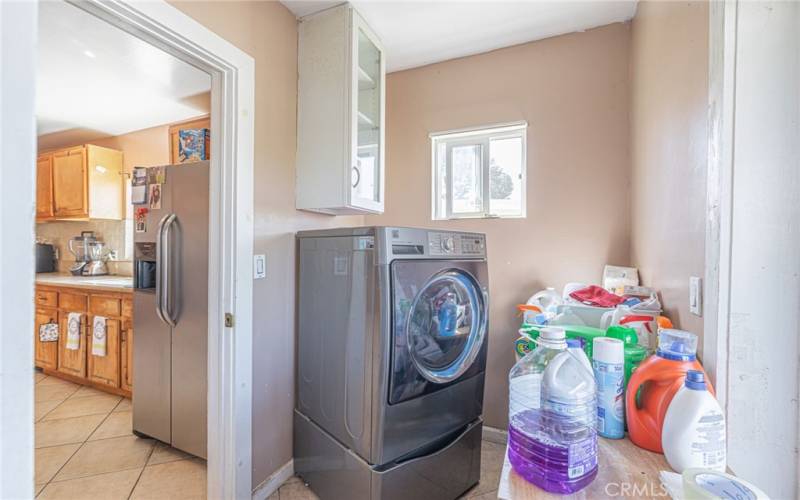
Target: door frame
(719,192)
(18,26)
(230,286)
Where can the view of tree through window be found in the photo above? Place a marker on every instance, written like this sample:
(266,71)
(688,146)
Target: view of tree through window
(480,173)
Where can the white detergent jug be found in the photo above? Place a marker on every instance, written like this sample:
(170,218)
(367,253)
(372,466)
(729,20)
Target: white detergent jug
(693,435)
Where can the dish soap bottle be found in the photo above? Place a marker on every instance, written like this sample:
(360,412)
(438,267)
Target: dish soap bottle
(693,435)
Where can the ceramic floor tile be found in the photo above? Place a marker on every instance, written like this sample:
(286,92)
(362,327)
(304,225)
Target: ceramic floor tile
(38,377)
(294,489)
(107,455)
(124,405)
(51,380)
(66,430)
(110,486)
(184,479)
(115,425)
(42,408)
(49,460)
(84,406)
(85,391)
(492,456)
(163,453)
(37,488)
(54,392)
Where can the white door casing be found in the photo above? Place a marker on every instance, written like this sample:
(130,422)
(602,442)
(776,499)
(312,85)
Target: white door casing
(17,213)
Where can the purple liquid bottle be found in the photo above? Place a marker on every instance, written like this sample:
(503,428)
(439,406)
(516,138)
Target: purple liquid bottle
(552,441)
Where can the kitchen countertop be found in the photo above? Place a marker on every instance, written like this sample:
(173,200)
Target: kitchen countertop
(122,284)
(624,470)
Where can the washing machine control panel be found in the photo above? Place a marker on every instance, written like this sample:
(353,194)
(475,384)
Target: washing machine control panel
(468,245)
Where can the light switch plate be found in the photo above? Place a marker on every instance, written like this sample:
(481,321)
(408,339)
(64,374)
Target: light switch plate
(259,266)
(696,296)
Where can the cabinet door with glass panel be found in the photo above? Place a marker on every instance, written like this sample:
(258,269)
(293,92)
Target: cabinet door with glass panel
(368,107)
(340,114)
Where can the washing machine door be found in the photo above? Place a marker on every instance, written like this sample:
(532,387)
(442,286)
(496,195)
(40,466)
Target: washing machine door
(446,326)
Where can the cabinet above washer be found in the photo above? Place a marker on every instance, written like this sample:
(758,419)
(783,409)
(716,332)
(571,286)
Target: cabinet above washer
(340,114)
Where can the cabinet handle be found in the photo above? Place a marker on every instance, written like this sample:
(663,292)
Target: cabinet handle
(124,335)
(358,175)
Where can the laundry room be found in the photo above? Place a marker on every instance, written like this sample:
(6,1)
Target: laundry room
(441,250)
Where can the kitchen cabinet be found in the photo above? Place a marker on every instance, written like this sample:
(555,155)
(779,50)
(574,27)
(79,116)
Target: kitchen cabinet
(72,362)
(46,352)
(126,355)
(81,182)
(340,115)
(174,138)
(106,369)
(111,372)
(44,187)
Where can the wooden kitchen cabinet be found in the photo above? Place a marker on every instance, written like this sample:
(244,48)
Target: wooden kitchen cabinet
(70,183)
(46,352)
(71,362)
(106,369)
(44,187)
(83,182)
(126,356)
(174,137)
(113,372)
(340,114)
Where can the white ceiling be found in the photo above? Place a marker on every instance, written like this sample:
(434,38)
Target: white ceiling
(96,78)
(416,33)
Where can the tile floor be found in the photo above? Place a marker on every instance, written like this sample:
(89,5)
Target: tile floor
(85,449)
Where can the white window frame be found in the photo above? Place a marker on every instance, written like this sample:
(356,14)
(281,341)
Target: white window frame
(479,136)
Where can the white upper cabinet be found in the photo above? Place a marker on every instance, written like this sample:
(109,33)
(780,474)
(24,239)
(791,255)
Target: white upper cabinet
(340,114)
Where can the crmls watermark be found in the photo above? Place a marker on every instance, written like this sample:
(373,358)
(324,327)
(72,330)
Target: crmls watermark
(635,490)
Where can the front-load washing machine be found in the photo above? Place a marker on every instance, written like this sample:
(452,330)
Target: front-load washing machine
(391,355)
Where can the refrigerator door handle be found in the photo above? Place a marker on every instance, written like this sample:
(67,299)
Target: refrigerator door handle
(172,272)
(162,268)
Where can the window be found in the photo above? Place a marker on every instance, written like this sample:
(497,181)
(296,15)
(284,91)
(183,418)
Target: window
(479,173)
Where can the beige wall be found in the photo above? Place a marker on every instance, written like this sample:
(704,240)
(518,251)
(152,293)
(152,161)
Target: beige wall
(268,32)
(573,92)
(669,144)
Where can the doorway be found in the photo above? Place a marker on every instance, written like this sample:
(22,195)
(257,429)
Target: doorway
(230,231)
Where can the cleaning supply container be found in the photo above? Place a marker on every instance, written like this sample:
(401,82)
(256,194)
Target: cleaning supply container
(694,428)
(653,385)
(575,346)
(525,378)
(634,353)
(609,373)
(554,444)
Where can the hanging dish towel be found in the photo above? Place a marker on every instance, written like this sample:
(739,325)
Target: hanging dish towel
(74,331)
(99,336)
(48,332)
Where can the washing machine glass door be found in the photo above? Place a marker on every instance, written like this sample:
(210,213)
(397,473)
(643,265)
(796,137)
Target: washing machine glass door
(446,326)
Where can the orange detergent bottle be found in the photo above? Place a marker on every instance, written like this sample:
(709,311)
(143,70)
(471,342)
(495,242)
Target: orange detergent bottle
(655,382)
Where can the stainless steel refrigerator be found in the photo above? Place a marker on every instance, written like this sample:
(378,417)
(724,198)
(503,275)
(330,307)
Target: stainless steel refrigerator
(170,311)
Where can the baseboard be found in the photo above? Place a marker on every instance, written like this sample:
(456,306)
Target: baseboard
(495,435)
(273,482)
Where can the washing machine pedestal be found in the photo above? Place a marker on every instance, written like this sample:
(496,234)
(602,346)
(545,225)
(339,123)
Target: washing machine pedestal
(334,472)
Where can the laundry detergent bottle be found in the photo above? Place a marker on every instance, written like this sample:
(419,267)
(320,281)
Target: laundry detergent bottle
(553,444)
(655,382)
(694,428)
